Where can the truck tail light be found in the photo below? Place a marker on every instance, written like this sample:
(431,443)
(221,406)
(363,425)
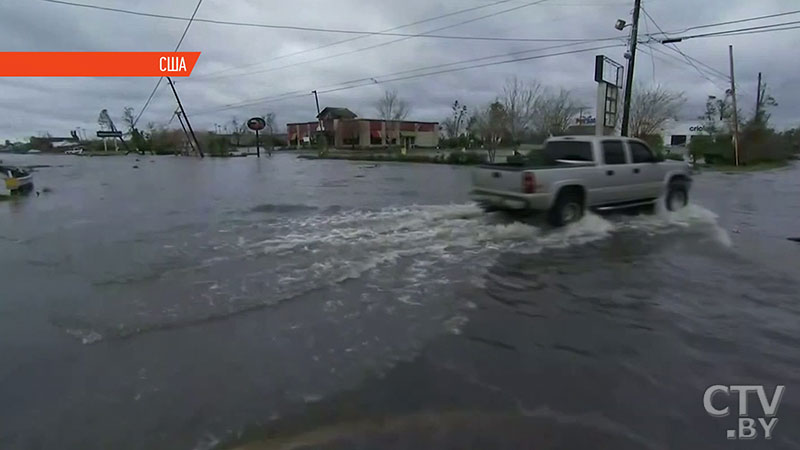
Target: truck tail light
(528,183)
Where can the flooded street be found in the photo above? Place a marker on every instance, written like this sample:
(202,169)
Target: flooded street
(246,303)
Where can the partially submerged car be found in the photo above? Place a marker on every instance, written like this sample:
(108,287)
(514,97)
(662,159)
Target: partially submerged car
(15,180)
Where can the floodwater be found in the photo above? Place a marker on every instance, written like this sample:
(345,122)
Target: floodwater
(282,303)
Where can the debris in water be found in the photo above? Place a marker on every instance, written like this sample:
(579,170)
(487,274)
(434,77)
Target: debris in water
(135,167)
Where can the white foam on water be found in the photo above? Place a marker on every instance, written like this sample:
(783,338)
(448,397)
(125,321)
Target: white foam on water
(420,245)
(86,336)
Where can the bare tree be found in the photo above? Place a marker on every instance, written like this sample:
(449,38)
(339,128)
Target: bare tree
(269,120)
(764,101)
(492,125)
(652,108)
(128,117)
(456,122)
(553,112)
(104,120)
(391,108)
(269,127)
(238,129)
(519,100)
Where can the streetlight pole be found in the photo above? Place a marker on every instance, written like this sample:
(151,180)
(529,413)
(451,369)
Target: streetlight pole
(626,111)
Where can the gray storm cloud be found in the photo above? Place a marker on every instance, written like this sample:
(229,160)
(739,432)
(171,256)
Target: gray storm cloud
(252,57)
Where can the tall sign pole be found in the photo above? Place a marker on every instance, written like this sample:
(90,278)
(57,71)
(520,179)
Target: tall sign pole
(257,124)
(626,109)
(735,111)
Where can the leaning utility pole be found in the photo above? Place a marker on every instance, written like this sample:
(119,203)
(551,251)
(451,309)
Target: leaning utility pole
(626,110)
(735,111)
(185,117)
(758,98)
(185,132)
(320,124)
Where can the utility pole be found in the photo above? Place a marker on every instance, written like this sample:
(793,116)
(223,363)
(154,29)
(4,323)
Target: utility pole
(185,117)
(626,111)
(758,98)
(185,132)
(735,111)
(320,124)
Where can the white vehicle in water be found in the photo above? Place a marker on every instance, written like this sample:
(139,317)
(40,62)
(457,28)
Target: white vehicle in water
(15,180)
(579,172)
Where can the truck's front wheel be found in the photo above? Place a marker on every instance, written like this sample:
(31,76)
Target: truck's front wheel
(567,209)
(677,196)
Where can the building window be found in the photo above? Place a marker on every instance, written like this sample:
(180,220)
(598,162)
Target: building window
(677,139)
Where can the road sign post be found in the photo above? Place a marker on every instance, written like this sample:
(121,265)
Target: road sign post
(256,124)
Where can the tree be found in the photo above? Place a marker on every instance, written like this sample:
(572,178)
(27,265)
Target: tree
(391,108)
(453,124)
(104,121)
(492,125)
(764,101)
(238,129)
(128,117)
(519,101)
(553,113)
(652,108)
(269,127)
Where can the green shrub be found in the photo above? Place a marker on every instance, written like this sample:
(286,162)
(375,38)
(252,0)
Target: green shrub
(517,159)
(465,158)
(715,150)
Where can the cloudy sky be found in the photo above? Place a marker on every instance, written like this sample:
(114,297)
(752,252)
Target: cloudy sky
(242,69)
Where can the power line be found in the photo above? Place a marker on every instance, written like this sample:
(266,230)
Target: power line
(186,30)
(757,32)
(679,62)
(652,58)
(418,22)
(738,31)
(313,29)
(731,22)
(383,44)
(678,50)
(160,79)
(514,60)
(374,78)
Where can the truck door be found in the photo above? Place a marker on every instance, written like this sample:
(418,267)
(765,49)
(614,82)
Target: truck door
(645,171)
(616,173)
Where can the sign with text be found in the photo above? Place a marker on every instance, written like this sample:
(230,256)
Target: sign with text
(97,64)
(256,123)
(109,134)
(750,421)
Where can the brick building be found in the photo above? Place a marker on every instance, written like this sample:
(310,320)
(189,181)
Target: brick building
(343,129)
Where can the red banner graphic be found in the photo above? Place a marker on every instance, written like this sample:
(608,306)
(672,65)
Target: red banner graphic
(97,64)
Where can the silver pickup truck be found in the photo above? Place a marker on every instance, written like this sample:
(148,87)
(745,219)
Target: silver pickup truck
(579,172)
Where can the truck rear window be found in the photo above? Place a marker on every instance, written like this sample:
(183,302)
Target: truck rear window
(569,150)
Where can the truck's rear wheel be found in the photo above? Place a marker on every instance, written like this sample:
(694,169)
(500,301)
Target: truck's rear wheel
(677,196)
(567,209)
